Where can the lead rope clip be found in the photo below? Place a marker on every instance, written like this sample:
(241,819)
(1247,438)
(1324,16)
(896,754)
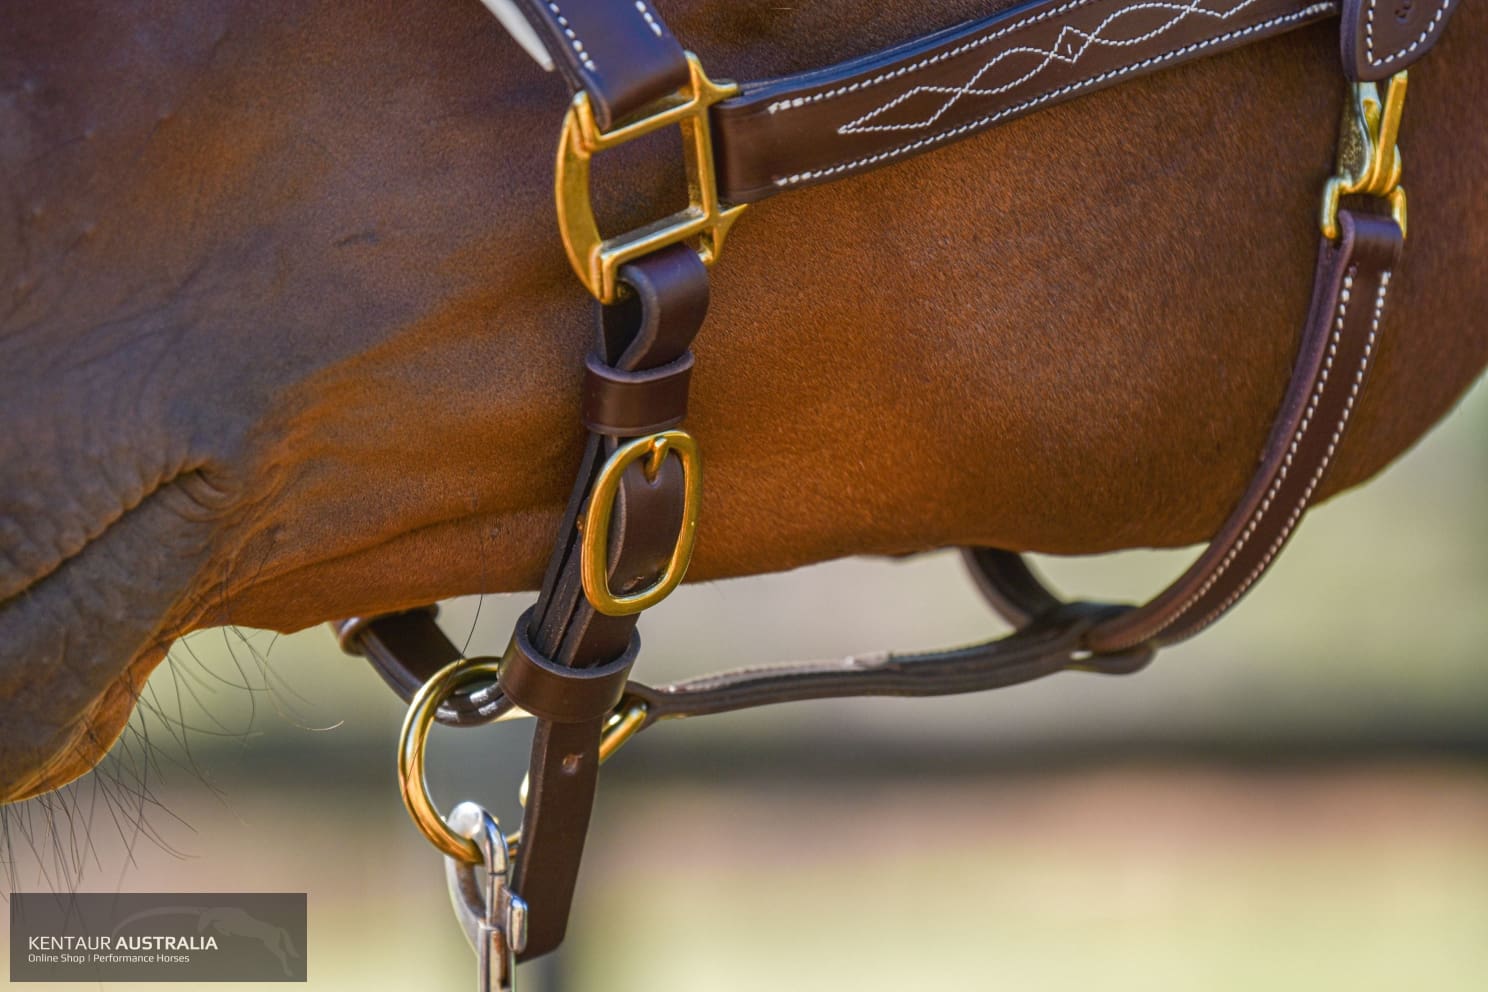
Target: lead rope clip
(493,917)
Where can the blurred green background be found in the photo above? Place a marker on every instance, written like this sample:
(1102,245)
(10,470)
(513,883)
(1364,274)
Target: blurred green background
(1296,800)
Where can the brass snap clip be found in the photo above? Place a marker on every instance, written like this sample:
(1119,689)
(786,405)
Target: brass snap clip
(1368,160)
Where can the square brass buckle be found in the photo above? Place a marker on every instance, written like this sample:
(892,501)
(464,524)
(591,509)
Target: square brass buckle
(597,260)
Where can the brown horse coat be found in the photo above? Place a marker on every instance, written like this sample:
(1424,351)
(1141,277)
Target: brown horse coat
(288,333)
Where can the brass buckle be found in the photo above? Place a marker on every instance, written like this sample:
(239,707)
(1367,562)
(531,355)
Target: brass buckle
(1368,161)
(594,565)
(596,260)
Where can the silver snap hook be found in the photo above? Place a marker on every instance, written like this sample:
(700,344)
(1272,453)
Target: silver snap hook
(493,917)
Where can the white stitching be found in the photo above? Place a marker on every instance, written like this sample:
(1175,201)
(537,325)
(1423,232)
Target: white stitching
(802,101)
(1063,50)
(650,21)
(1068,88)
(1441,12)
(1344,296)
(573,38)
(1306,498)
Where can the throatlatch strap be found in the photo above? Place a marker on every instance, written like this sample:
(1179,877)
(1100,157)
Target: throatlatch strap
(1338,344)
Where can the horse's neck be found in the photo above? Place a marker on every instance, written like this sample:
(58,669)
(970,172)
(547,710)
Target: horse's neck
(1069,333)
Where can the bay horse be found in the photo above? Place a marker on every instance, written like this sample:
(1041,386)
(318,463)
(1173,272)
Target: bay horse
(289,336)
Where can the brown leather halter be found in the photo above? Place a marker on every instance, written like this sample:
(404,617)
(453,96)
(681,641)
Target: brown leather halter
(627,534)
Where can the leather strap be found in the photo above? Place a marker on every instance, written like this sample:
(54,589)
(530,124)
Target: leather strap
(1009,586)
(407,649)
(629,404)
(1380,39)
(560,694)
(619,52)
(1338,343)
(814,127)
(1051,643)
(826,124)
(563,633)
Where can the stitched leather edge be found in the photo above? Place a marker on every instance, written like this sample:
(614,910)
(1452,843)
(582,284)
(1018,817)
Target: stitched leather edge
(1431,26)
(783,182)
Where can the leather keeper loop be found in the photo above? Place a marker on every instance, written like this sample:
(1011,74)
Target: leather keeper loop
(630,404)
(557,693)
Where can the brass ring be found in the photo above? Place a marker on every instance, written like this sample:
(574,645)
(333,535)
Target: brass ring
(411,741)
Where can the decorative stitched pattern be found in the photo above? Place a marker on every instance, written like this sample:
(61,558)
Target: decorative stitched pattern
(1069,48)
(1441,11)
(1054,94)
(863,84)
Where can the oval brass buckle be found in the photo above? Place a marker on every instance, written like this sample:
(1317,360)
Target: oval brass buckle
(596,260)
(594,564)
